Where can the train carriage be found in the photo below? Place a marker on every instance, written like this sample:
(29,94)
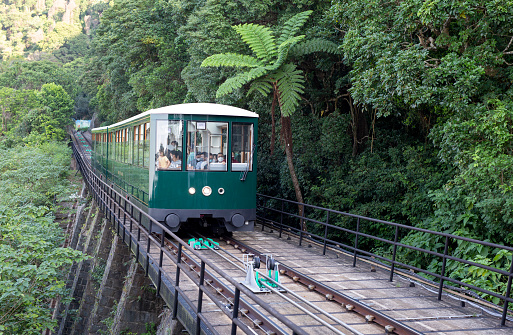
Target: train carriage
(185,164)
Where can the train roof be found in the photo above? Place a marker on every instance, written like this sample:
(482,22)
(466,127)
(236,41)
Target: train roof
(189,109)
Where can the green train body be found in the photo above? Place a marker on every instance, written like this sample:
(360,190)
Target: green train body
(172,162)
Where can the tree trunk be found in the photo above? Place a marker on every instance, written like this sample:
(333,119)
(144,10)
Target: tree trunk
(286,131)
(359,127)
(273,126)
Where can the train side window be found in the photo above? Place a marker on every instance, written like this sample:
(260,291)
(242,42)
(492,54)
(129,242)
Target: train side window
(169,139)
(242,147)
(146,144)
(206,145)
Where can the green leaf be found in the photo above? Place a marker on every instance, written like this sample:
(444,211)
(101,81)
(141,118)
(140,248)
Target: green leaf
(231,59)
(259,38)
(292,26)
(262,85)
(289,85)
(315,45)
(232,84)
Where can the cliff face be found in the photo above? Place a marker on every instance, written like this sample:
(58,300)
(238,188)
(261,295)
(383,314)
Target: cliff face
(30,27)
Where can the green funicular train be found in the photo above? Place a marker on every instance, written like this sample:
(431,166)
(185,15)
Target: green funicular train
(185,164)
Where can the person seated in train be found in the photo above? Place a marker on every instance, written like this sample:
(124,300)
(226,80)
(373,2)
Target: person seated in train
(234,158)
(191,159)
(173,145)
(215,158)
(163,161)
(220,158)
(211,158)
(176,162)
(202,163)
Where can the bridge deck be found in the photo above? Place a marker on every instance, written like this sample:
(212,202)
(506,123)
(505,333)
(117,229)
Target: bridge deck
(417,307)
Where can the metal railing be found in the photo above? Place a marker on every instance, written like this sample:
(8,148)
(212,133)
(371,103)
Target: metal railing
(126,218)
(282,215)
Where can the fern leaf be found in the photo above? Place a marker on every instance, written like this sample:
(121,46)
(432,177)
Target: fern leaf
(259,38)
(257,73)
(232,84)
(292,26)
(315,45)
(263,86)
(283,51)
(232,60)
(290,87)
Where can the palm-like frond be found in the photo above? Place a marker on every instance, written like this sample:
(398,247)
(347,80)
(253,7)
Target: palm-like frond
(292,26)
(259,38)
(232,84)
(257,73)
(314,45)
(283,51)
(262,85)
(231,59)
(289,82)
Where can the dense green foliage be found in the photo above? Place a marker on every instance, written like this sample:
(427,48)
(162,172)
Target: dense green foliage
(32,261)
(411,122)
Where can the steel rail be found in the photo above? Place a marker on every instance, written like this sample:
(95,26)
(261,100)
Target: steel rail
(257,318)
(303,300)
(333,295)
(445,256)
(112,200)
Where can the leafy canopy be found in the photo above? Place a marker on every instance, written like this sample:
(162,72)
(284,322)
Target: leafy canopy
(271,67)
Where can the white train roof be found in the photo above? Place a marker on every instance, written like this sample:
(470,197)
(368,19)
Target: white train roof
(190,109)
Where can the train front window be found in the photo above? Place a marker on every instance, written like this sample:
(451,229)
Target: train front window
(242,147)
(168,154)
(206,145)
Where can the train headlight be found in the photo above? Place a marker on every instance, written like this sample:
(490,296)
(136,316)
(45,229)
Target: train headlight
(206,191)
(192,190)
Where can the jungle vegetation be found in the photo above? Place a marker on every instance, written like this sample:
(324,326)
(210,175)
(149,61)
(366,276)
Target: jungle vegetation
(401,111)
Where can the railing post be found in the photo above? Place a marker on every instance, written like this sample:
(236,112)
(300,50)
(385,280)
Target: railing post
(394,253)
(159,280)
(148,252)
(356,241)
(200,298)
(138,236)
(124,218)
(326,232)
(118,204)
(235,313)
(131,228)
(506,297)
(281,217)
(177,281)
(440,288)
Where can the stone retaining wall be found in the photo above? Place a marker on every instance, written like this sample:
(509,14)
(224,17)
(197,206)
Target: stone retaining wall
(110,293)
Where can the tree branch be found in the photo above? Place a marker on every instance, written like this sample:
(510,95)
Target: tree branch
(509,44)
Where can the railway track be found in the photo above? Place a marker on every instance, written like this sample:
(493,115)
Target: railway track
(321,294)
(293,302)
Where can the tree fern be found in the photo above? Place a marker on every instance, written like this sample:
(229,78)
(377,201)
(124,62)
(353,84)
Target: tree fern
(232,60)
(289,83)
(314,45)
(232,84)
(262,85)
(259,38)
(283,51)
(292,26)
(256,73)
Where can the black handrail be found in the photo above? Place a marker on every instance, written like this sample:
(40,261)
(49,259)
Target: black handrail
(278,222)
(114,205)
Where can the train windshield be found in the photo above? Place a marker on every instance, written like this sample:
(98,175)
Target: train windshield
(169,145)
(206,145)
(242,147)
